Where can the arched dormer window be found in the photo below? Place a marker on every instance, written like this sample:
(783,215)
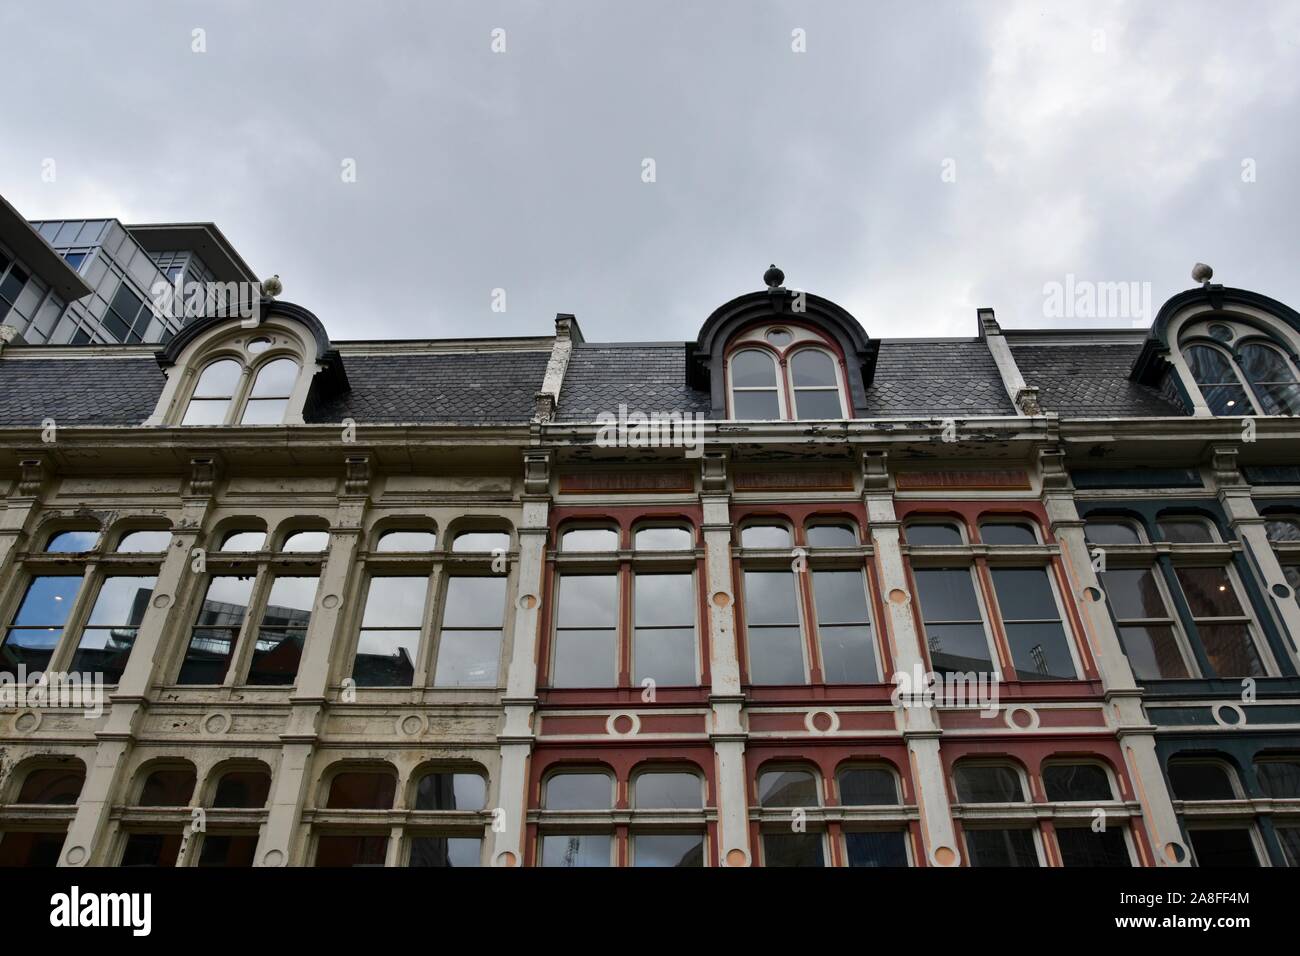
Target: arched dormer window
(785,372)
(230,393)
(1239,371)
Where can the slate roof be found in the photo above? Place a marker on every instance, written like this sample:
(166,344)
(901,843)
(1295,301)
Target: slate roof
(939,378)
(466,387)
(646,377)
(79,391)
(1089,381)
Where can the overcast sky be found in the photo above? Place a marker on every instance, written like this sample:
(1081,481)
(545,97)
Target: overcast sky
(916,161)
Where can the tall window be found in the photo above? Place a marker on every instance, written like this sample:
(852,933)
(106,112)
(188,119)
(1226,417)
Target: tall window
(1250,377)
(990,842)
(565,845)
(784,846)
(776,373)
(229,392)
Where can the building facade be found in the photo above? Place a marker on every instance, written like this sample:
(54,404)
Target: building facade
(785,595)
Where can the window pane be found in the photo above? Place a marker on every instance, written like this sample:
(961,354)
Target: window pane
(351,850)
(831,536)
(1153,652)
(589,539)
(482,541)
(877,848)
(667,656)
(1185,531)
(206,412)
(793,849)
(1200,780)
(933,534)
(816,404)
(390,635)
(280,639)
(1080,846)
(753,369)
(247,789)
(576,849)
(306,541)
(144,542)
(221,850)
(812,367)
(362,791)
(1279,399)
(1111,532)
(868,788)
(770,598)
(668,849)
(765,536)
(151,849)
(451,791)
(958,648)
(1076,781)
(244,541)
(1040,651)
(1283,529)
(588,600)
(218,380)
(762,406)
(1280,779)
(52,787)
(475,602)
(1227,400)
(947,594)
(1025,594)
(788,788)
(988,784)
(1133,593)
(27,847)
(1230,650)
(213,639)
(1223,847)
(168,788)
(446,851)
(395,602)
(1003,532)
(264,411)
(843,626)
(663,539)
(579,791)
(111,630)
(469,646)
(1001,848)
(585,658)
(1289,837)
(276,379)
(407,541)
(1209,592)
(72,542)
(668,791)
(776,655)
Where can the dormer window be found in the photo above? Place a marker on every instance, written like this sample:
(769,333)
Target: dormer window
(785,373)
(1240,373)
(223,395)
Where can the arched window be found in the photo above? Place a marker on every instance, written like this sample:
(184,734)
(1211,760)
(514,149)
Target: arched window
(270,394)
(785,373)
(1245,379)
(1271,379)
(210,403)
(224,395)
(754,390)
(816,386)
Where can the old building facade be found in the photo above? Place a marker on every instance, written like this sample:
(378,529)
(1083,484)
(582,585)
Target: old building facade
(548,602)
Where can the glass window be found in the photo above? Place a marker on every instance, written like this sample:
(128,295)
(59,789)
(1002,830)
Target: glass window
(579,791)
(816,388)
(658,538)
(362,790)
(576,849)
(243,541)
(948,535)
(213,637)
(444,790)
(954,625)
(144,542)
(1185,530)
(1279,777)
(765,536)
(1081,846)
(1040,649)
(210,404)
(586,631)
(283,633)
(51,786)
(1146,628)
(844,628)
(390,632)
(1271,379)
(668,849)
(831,536)
(988,783)
(867,787)
(151,849)
(168,788)
(999,847)
(29,847)
(228,849)
(772,634)
(1289,837)
(38,625)
(1007,532)
(72,542)
(1073,782)
(351,850)
(668,790)
(446,851)
(243,789)
(664,637)
(1227,846)
(1221,624)
(1200,780)
(1111,531)
(879,848)
(589,539)
(788,788)
(409,541)
(1218,382)
(306,541)
(481,541)
(1280,528)
(793,850)
(111,629)
(469,645)
(754,392)
(270,395)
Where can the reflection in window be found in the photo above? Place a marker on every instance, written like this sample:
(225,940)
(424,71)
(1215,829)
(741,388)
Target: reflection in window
(469,646)
(667,790)
(586,631)
(668,849)
(1221,623)
(1282,528)
(879,848)
(111,629)
(954,625)
(867,787)
(210,404)
(576,849)
(38,625)
(1082,846)
(1218,382)
(1040,649)
(816,387)
(988,783)
(213,637)
(998,847)
(663,647)
(172,787)
(844,628)
(283,633)
(1279,777)
(1271,379)
(451,791)
(409,541)
(1146,628)
(754,392)
(1111,531)
(270,395)
(947,535)
(443,851)
(579,791)
(589,539)
(390,632)
(481,541)
(72,542)
(788,788)
(793,850)
(1073,782)
(831,536)
(243,789)
(773,638)
(656,538)
(1007,532)
(144,542)
(765,536)
(1185,530)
